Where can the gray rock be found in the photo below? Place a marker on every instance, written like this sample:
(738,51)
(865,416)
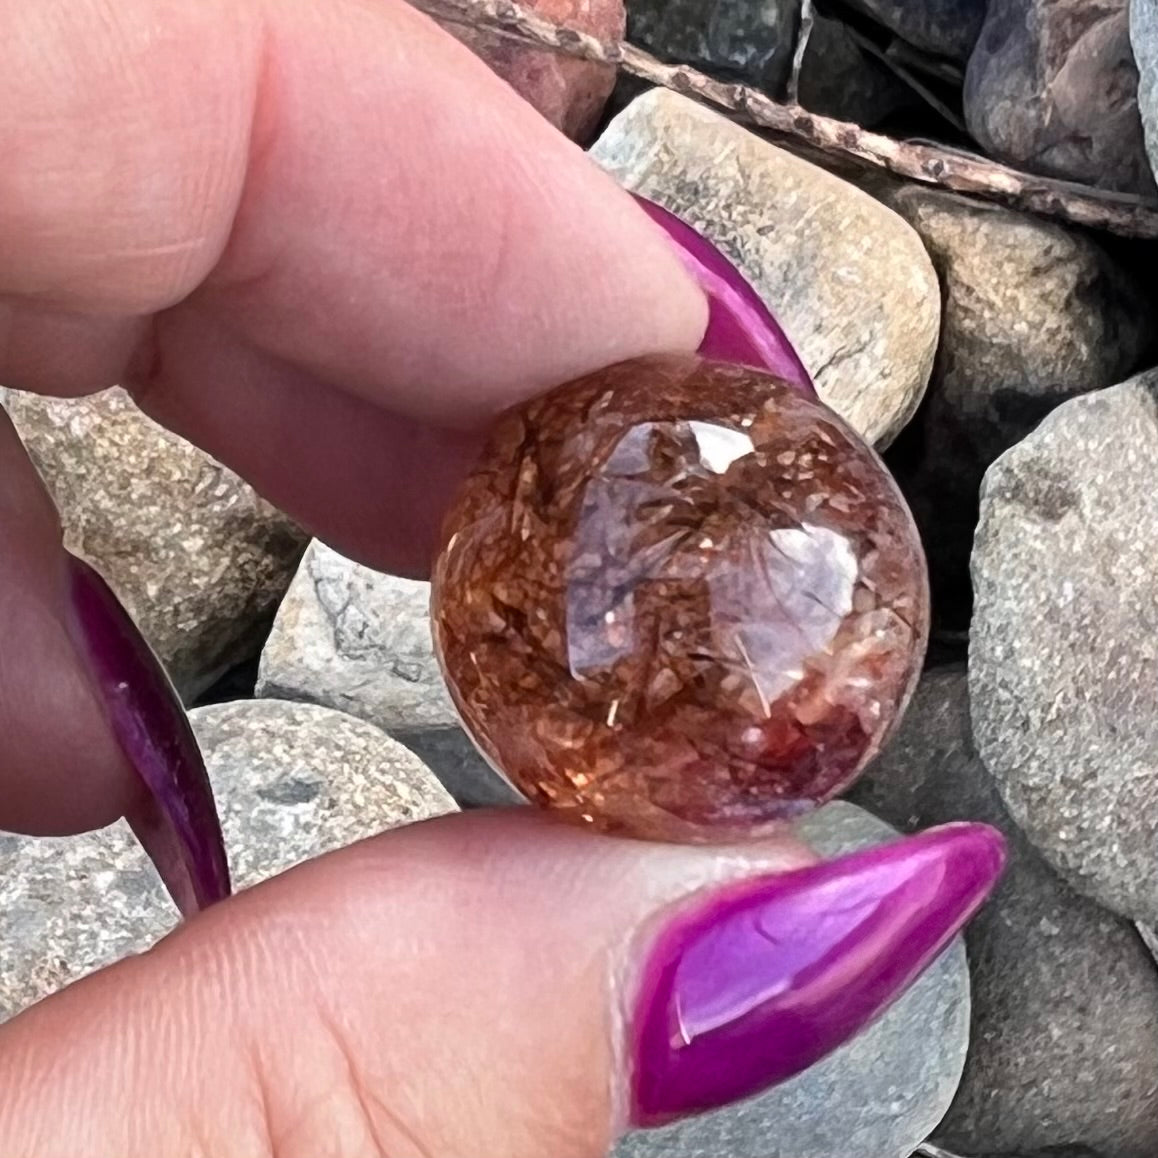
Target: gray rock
(877,1097)
(1144,41)
(946,27)
(359,641)
(838,78)
(1064,645)
(1034,314)
(292,781)
(197,558)
(750,40)
(1064,1043)
(848,279)
(1052,87)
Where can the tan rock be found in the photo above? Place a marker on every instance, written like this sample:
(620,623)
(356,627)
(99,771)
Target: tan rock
(847,278)
(197,558)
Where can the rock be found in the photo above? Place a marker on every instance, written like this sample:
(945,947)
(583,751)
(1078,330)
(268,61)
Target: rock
(1144,41)
(877,1097)
(1034,314)
(748,40)
(569,92)
(359,641)
(1064,651)
(838,78)
(292,780)
(197,558)
(848,279)
(1052,87)
(1064,1042)
(946,27)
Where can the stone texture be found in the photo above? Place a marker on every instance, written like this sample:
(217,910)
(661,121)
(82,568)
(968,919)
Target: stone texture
(1144,41)
(1052,87)
(839,79)
(197,558)
(846,277)
(359,641)
(1064,647)
(879,1095)
(1034,314)
(1064,1043)
(292,780)
(945,27)
(679,599)
(749,40)
(569,93)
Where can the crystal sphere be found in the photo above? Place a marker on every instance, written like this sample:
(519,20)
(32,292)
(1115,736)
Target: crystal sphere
(679,600)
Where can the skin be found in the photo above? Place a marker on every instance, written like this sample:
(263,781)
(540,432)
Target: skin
(322,241)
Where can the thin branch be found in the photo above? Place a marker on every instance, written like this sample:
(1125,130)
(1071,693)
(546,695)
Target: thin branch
(929,164)
(807,23)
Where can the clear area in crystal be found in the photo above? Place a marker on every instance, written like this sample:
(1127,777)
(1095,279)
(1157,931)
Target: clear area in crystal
(679,600)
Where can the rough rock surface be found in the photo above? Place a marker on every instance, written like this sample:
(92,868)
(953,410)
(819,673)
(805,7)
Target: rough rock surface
(1064,1043)
(359,641)
(1144,41)
(1034,314)
(569,93)
(879,1096)
(1064,647)
(848,279)
(197,558)
(1052,86)
(750,40)
(292,781)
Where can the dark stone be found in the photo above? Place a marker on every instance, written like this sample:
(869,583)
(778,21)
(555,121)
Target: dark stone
(1052,87)
(748,40)
(1064,1043)
(947,27)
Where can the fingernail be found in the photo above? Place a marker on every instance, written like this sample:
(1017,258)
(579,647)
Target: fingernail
(176,821)
(773,974)
(741,328)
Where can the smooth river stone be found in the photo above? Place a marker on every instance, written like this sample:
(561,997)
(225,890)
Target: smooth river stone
(680,600)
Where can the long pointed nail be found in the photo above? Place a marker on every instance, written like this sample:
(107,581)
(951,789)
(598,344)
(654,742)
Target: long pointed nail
(741,328)
(774,974)
(176,821)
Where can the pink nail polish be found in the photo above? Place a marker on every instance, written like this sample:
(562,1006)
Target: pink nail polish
(772,975)
(176,821)
(741,328)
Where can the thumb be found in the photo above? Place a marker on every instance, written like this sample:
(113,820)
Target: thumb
(482,986)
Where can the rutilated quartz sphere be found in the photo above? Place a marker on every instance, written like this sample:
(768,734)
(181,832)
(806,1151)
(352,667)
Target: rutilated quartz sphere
(679,600)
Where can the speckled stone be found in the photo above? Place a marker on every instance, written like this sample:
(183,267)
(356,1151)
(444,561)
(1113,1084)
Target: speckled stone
(292,781)
(847,278)
(1064,647)
(1064,1044)
(876,1097)
(196,557)
(679,599)
(359,641)
(1144,41)
(1034,314)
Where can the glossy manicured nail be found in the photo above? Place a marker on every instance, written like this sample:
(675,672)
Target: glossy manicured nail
(177,820)
(741,328)
(772,974)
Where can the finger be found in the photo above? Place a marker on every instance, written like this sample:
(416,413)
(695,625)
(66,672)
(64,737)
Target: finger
(340,181)
(62,770)
(485,986)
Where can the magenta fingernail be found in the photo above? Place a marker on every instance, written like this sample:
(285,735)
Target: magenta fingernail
(774,974)
(176,821)
(741,328)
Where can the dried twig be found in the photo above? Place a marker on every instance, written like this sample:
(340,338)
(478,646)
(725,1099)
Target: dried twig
(928,164)
(807,23)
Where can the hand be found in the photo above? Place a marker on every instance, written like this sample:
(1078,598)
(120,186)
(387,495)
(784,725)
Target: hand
(322,241)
